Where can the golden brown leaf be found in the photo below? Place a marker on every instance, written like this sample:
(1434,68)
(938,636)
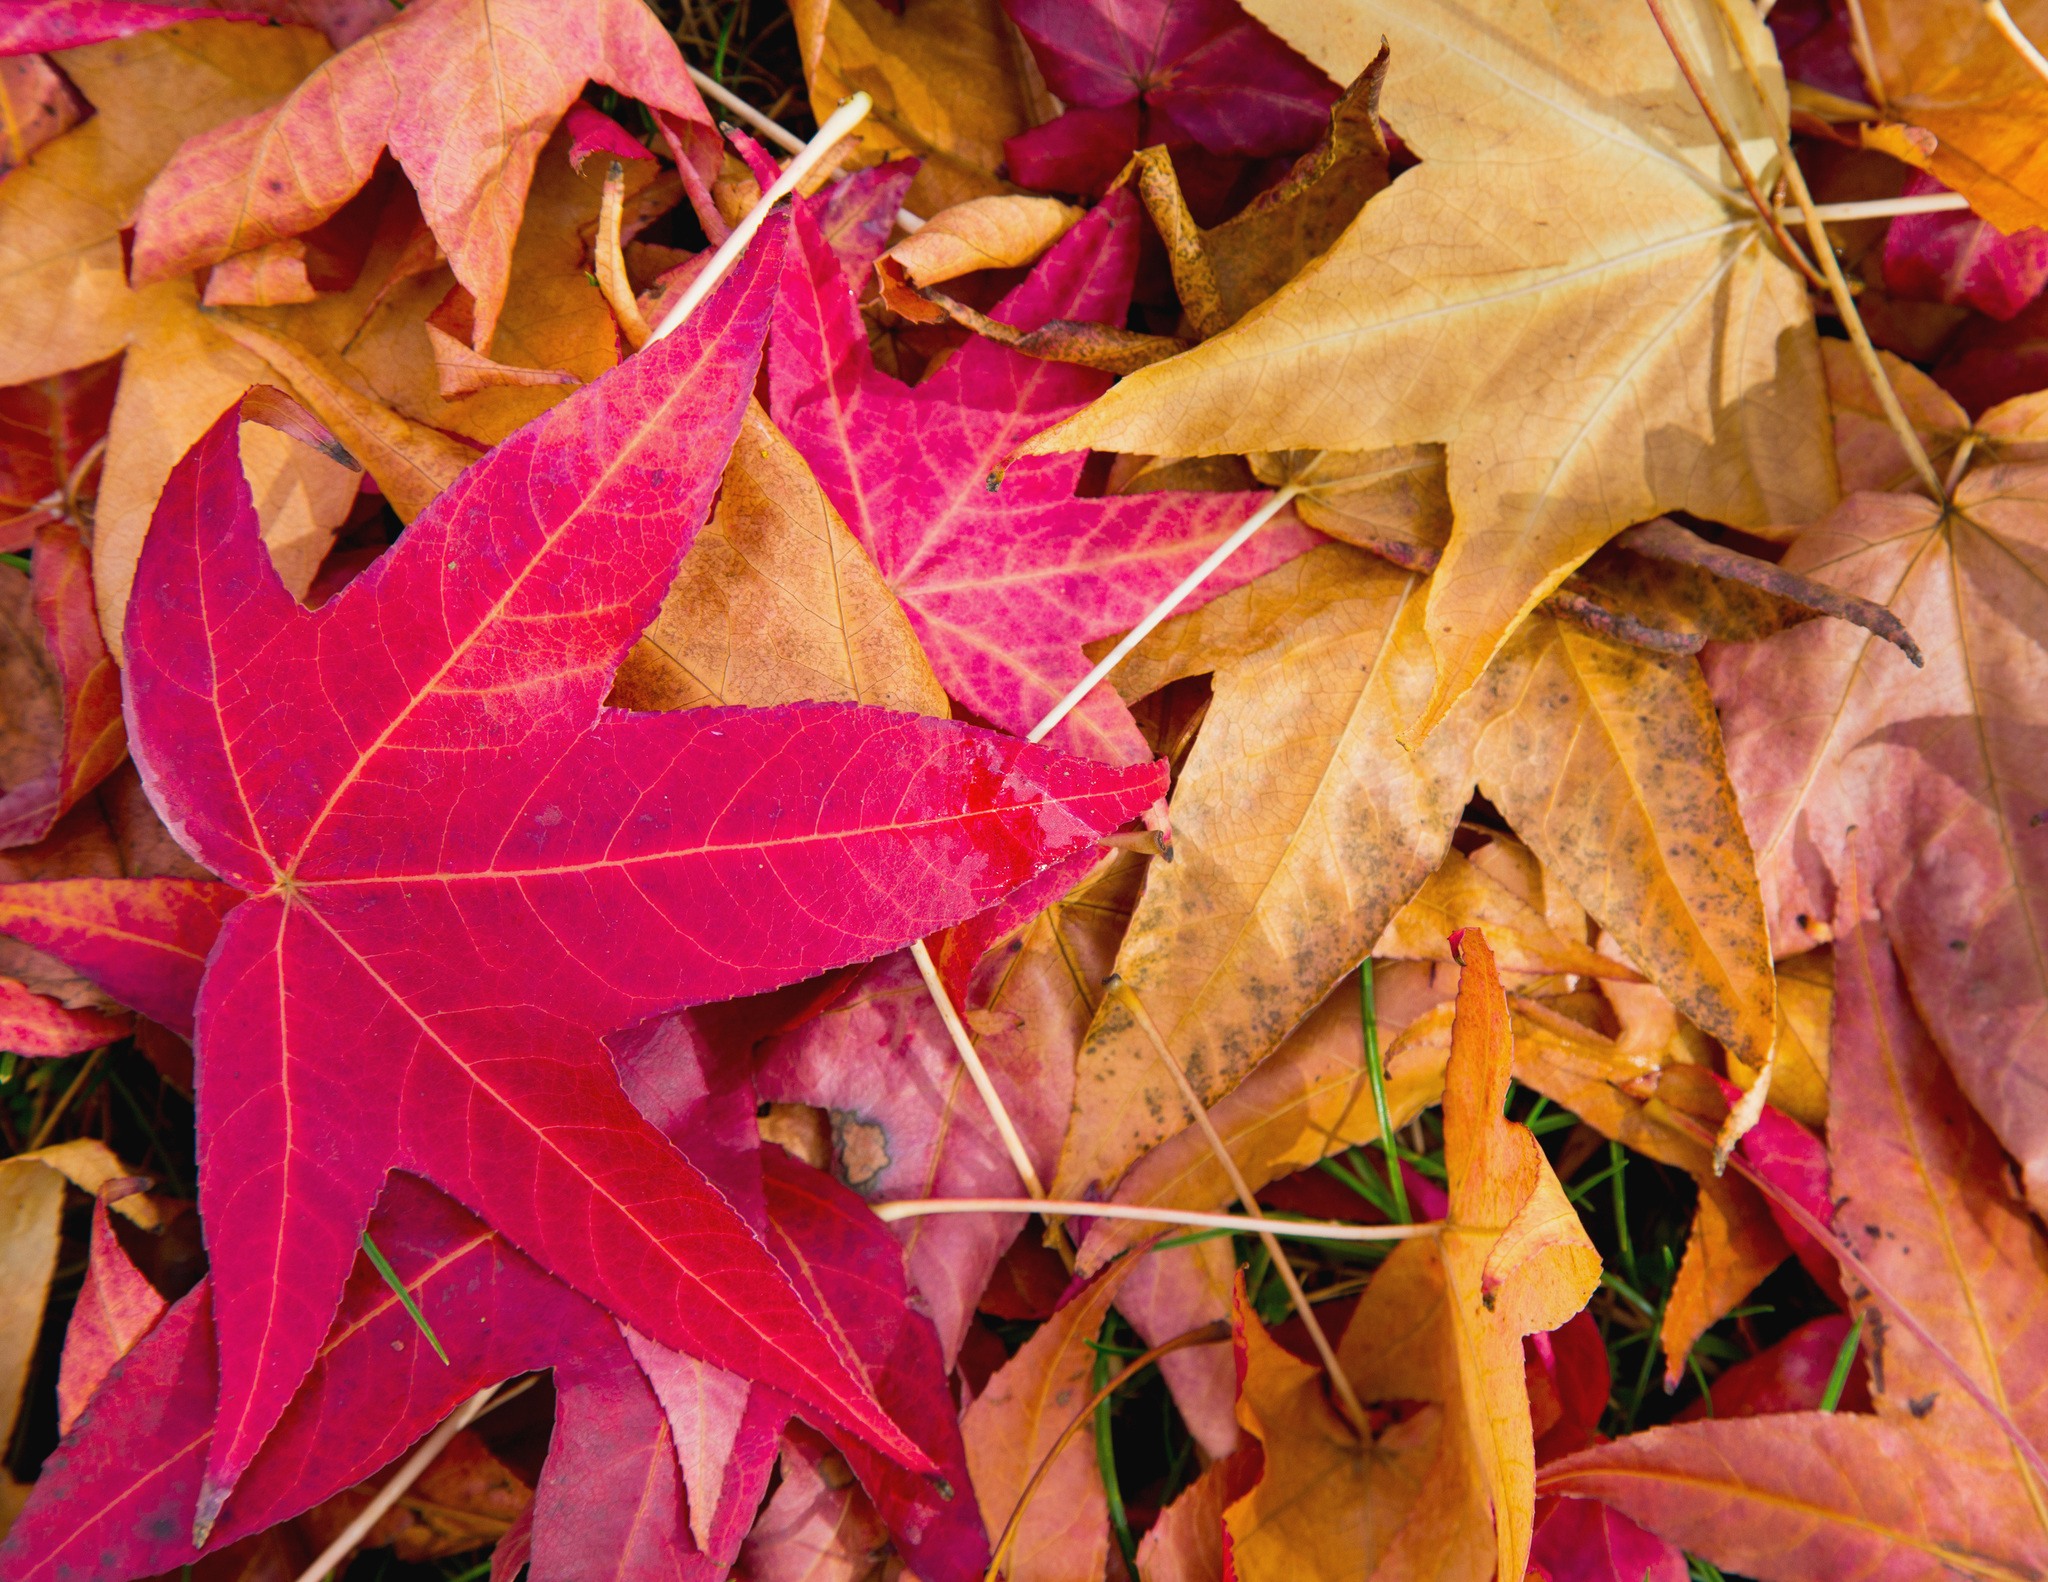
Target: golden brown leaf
(1569,292)
(1000,232)
(945,79)
(776,602)
(62,272)
(1301,826)
(1462,895)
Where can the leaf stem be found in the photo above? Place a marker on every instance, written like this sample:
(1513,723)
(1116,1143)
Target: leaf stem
(1885,208)
(1375,1071)
(842,121)
(1838,288)
(1732,147)
(2002,19)
(1198,1112)
(1274,505)
(406,1476)
(1143,1214)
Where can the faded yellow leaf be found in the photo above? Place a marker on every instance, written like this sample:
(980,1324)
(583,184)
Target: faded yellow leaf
(1571,293)
(64,278)
(1301,826)
(1460,894)
(1799,1060)
(777,602)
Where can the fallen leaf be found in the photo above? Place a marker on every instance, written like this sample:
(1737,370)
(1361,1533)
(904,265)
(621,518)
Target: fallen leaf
(60,654)
(1791,1376)
(1937,770)
(906,1121)
(62,262)
(500,73)
(1167,72)
(944,78)
(856,216)
(36,105)
(37,1027)
(1925,1202)
(465,1498)
(67,24)
(1945,73)
(116,1307)
(1300,828)
(1585,1541)
(1867,448)
(48,428)
(1461,894)
(1443,312)
(1960,259)
(1013,1426)
(1607,760)
(1325,1504)
(1002,587)
(776,602)
(1186,1543)
(983,233)
(818,1526)
(671,413)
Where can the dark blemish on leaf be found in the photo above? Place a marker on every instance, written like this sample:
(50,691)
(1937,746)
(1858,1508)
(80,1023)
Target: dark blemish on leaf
(1921,1405)
(1958,944)
(1488,1298)
(861,1148)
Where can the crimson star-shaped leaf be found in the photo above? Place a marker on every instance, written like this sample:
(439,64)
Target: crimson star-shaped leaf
(461,871)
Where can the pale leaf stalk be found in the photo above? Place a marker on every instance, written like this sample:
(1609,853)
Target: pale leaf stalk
(1159,612)
(1732,147)
(610,260)
(1142,1214)
(1006,1128)
(842,121)
(1996,14)
(1838,288)
(774,131)
(1883,208)
(404,1478)
(1198,1112)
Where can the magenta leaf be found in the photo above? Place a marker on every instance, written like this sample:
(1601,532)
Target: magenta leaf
(1139,72)
(1586,1541)
(1962,260)
(591,132)
(34,27)
(857,215)
(1003,585)
(463,871)
(142,940)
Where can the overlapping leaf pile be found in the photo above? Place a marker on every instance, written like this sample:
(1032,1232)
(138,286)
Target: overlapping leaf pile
(502,796)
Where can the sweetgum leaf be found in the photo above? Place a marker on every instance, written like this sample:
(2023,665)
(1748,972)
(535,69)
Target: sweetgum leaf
(466,871)
(1004,585)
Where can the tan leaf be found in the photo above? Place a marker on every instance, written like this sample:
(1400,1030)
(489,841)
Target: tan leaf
(1462,895)
(945,79)
(1301,826)
(776,602)
(1570,293)
(1001,232)
(62,271)
(1607,760)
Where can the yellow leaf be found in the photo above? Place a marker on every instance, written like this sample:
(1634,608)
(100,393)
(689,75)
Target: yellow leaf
(1571,293)
(69,304)
(1607,760)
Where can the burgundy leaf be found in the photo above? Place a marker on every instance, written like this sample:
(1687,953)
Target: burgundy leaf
(1003,585)
(1957,258)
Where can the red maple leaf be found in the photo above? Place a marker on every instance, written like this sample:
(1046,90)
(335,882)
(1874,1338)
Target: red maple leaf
(1179,72)
(462,871)
(1003,585)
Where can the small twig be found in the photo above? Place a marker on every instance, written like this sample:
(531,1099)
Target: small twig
(1142,1214)
(774,131)
(1883,208)
(1838,288)
(1207,1335)
(1198,1112)
(1165,607)
(406,1476)
(977,1072)
(2000,18)
(75,478)
(1732,147)
(1866,57)
(842,121)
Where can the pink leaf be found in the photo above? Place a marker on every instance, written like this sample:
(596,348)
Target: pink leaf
(33,27)
(1957,258)
(142,940)
(116,1308)
(1003,585)
(591,131)
(1585,1541)
(36,1026)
